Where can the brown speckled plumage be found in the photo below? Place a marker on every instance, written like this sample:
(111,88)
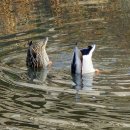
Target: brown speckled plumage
(36,54)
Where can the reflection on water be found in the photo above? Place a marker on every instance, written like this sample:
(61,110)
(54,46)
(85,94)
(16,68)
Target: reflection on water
(37,75)
(33,99)
(84,81)
(88,81)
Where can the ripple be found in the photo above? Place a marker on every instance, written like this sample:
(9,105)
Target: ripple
(32,100)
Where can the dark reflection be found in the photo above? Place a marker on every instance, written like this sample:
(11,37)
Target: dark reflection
(77,79)
(37,75)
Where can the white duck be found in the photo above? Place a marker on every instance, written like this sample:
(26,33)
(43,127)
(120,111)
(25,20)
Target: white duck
(82,60)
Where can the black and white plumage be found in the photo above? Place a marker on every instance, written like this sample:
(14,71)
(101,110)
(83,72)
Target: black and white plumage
(36,55)
(82,60)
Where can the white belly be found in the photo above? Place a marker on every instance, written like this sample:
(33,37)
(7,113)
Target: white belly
(87,65)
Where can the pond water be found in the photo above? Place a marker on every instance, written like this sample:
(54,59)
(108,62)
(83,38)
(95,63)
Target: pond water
(53,99)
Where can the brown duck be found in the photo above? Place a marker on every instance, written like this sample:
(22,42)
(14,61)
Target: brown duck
(37,56)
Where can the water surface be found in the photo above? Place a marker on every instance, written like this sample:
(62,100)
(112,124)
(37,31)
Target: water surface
(53,99)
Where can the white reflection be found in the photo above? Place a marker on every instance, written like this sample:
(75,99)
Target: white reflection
(83,82)
(87,81)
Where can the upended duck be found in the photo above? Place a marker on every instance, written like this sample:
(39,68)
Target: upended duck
(37,56)
(82,60)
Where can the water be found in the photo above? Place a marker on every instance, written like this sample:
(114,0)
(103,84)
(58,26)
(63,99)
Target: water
(53,99)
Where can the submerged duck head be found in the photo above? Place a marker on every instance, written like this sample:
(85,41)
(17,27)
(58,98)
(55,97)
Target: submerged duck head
(82,60)
(36,54)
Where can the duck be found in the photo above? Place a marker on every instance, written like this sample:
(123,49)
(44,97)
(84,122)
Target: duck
(36,54)
(82,60)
